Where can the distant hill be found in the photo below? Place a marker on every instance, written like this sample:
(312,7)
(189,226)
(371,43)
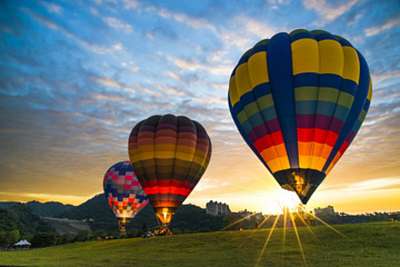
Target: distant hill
(48,209)
(19,217)
(67,226)
(42,209)
(188,218)
(96,213)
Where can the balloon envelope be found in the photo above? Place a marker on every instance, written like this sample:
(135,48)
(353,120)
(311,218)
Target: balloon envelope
(170,154)
(123,191)
(298,100)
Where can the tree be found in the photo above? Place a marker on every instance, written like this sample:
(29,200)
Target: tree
(8,238)
(43,239)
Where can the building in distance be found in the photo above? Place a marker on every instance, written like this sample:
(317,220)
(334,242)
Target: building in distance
(215,208)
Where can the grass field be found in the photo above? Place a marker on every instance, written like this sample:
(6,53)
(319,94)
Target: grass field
(366,245)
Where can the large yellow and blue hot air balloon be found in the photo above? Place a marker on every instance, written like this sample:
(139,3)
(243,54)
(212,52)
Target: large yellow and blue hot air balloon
(298,100)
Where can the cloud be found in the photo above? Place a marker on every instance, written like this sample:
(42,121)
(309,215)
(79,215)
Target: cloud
(108,82)
(387,25)
(383,76)
(52,8)
(244,32)
(276,4)
(118,24)
(190,21)
(98,49)
(131,4)
(366,186)
(195,23)
(188,64)
(327,11)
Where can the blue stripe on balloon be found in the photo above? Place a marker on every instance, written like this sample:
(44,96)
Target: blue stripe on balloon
(324,80)
(247,98)
(280,72)
(356,108)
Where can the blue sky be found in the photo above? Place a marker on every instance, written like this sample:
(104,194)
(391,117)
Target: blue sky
(76,76)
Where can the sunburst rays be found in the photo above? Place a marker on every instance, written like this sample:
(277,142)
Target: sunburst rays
(290,216)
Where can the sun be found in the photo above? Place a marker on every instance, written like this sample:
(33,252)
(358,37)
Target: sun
(288,199)
(274,202)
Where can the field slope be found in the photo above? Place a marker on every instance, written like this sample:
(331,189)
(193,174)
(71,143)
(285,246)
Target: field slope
(375,244)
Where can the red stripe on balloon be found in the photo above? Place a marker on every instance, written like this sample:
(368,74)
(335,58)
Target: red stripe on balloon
(317,135)
(160,190)
(268,140)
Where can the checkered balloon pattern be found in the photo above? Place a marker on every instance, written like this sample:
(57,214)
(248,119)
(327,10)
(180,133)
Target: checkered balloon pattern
(123,191)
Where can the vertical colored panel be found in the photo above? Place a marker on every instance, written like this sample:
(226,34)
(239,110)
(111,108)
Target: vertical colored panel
(280,70)
(258,70)
(359,100)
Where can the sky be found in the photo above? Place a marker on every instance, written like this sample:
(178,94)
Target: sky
(76,76)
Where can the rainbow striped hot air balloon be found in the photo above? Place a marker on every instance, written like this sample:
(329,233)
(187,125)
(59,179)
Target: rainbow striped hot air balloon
(298,100)
(170,154)
(123,193)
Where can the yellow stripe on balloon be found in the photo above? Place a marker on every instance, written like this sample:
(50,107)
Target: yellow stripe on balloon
(305,149)
(164,154)
(278,164)
(320,150)
(317,163)
(258,69)
(184,156)
(233,94)
(243,84)
(305,56)
(351,70)
(142,155)
(330,57)
(369,90)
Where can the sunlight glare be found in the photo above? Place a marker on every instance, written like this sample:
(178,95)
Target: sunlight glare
(288,199)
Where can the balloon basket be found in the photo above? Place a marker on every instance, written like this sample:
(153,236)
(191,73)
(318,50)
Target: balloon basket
(122,227)
(162,230)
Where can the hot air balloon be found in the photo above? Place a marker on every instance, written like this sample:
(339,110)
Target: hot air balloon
(170,154)
(123,193)
(298,100)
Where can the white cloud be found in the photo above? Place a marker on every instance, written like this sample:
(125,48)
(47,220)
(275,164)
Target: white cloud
(260,30)
(52,8)
(327,11)
(98,49)
(131,4)
(192,22)
(275,4)
(246,32)
(389,24)
(195,23)
(377,78)
(118,24)
(108,82)
(192,65)
(375,184)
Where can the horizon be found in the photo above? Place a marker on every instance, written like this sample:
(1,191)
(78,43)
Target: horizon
(275,212)
(77,77)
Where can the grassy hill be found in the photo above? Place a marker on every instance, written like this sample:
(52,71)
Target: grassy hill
(373,244)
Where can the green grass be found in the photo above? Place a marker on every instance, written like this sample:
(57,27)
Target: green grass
(365,245)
